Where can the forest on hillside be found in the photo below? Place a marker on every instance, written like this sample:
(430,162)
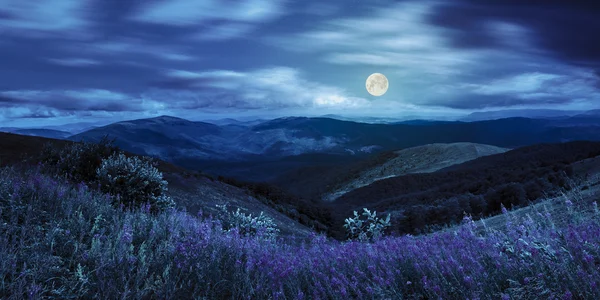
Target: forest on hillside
(423,202)
(479,187)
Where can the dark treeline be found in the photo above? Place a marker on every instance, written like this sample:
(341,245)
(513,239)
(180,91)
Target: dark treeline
(422,202)
(314,181)
(307,212)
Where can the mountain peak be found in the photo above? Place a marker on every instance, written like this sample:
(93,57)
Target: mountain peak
(166,118)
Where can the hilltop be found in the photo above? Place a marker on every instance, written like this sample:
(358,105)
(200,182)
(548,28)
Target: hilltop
(191,190)
(329,181)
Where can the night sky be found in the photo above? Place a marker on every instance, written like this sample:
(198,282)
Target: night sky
(65,61)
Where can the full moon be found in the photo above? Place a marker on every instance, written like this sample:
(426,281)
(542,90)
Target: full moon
(377,84)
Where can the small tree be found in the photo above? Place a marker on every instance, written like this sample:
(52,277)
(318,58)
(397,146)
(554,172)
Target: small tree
(133,182)
(78,161)
(248,225)
(368,230)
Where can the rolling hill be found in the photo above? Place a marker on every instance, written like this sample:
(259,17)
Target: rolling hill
(329,180)
(480,186)
(523,113)
(190,190)
(267,150)
(421,159)
(41,132)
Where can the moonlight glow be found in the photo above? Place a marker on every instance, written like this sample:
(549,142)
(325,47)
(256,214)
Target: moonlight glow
(377,84)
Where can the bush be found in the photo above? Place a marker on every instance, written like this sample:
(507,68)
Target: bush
(368,230)
(77,162)
(248,225)
(133,182)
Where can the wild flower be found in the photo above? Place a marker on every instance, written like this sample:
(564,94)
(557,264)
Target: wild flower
(89,248)
(127,234)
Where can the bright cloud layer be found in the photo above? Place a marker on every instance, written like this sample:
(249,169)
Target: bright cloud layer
(430,70)
(44,17)
(188,57)
(277,87)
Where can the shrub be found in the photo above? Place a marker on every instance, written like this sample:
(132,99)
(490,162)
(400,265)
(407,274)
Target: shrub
(133,182)
(248,225)
(368,230)
(77,162)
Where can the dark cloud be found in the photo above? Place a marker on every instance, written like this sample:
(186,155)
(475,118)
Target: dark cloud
(40,114)
(97,57)
(71,101)
(7,101)
(184,84)
(4,15)
(42,64)
(566,29)
(597,78)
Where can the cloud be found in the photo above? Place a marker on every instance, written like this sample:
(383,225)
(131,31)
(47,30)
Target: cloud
(321,9)
(518,84)
(213,19)
(462,62)
(121,47)
(42,18)
(193,12)
(72,100)
(563,29)
(29,113)
(74,62)
(575,89)
(398,36)
(267,88)
(224,32)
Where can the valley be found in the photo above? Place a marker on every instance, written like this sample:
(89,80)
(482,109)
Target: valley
(437,192)
(311,173)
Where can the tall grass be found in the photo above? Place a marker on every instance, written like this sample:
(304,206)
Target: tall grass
(63,241)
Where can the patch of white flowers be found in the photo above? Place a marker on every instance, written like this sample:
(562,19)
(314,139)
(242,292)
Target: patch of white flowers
(368,229)
(134,181)
(248,225)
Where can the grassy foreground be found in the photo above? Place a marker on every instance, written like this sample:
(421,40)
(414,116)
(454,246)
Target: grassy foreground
(63,241)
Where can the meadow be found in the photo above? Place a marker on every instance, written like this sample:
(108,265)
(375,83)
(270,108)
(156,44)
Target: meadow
(64,240)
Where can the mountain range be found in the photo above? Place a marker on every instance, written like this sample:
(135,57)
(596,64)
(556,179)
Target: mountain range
(264,151)
(523,113)
(315,171)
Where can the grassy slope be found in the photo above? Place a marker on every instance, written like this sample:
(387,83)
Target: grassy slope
(421,159)
(329,181)
(63,241)
(190,189)
(582,197)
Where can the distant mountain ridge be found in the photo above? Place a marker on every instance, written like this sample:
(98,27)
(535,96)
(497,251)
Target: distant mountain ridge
(522,113)
(41,132)
(234,148)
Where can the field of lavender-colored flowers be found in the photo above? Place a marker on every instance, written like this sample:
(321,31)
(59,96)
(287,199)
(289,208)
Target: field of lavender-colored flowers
(63,241)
